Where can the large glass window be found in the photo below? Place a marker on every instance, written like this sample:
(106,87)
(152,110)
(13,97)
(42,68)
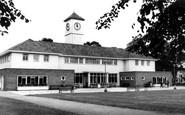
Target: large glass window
(97,78)
(73,60)
(78,78)
(92,61)
(31,80)
(109,62)
(112,78)
(158,80)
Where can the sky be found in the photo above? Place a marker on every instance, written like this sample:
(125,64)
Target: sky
(47,21)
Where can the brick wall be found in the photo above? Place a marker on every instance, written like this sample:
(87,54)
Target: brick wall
(127,83)
(54,76)
(149,76)
(138,77)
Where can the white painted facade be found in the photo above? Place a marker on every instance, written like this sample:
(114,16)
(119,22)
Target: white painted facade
(58,62)
(130,65)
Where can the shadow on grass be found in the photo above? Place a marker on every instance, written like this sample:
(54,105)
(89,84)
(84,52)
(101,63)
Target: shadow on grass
(172,101)
(15,107)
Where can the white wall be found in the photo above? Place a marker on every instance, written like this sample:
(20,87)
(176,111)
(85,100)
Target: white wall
(130,66)
(17,62)
(5,65)
(56,62)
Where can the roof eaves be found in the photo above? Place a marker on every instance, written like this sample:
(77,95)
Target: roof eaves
(74,16)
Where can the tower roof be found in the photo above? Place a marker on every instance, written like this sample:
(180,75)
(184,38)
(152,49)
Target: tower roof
(74,16)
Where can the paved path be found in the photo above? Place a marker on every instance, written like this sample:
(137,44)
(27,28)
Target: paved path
(76,107)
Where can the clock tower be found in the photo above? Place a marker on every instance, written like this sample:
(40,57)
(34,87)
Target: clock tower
(74,29)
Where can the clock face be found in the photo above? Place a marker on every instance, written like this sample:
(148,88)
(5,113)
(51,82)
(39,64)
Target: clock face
(67,27)
(77,26)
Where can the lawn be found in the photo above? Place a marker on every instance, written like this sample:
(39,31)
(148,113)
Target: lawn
(172,101)
(15,107)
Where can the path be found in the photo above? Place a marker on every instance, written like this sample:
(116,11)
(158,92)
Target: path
(76,107)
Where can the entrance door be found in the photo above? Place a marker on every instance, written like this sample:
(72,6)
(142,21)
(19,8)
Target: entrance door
(85,80)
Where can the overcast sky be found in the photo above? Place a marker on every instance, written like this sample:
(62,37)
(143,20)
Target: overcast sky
(47,20)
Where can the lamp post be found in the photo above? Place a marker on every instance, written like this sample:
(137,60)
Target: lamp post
(105,63)
(174,77)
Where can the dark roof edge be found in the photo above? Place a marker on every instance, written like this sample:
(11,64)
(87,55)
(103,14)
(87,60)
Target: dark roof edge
(74,16)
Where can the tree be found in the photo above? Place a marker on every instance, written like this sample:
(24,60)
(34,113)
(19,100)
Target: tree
(8,14)
(93,43)
(162,31)
(165,39)
(47,40)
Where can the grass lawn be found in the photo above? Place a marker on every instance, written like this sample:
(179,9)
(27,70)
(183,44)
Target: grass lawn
(172,101)
(15,107)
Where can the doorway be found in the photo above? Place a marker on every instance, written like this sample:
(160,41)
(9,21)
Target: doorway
(85,80)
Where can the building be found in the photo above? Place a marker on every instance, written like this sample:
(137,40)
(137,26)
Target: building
(33,65)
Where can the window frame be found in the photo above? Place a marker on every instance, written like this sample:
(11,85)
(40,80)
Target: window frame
(36,57)
(25,57)
(46,58)
(63,78)
(127,78)
(136,62)
(148,63)
(142,62)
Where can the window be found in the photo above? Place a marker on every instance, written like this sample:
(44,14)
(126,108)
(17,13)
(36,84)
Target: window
(142,62)
(32,80)
(42,80)
(66,59)
(115,62)
(158,80)
(63,78)
(136,62)
(143,78)
(92,61)
(132,78)
(36,57)
(9,58)
(112,78)
(25,57)
(78,78)
(73,60)
(127,78)
(109,62)
(97,78)
(81,60)
(46,58)
(122,78)
(5,59)
(148,63)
